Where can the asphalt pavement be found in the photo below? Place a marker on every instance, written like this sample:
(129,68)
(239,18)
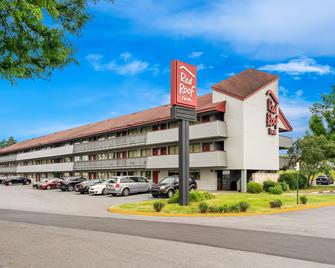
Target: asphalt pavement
(306,248)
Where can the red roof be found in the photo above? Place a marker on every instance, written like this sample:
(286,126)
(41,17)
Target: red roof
(245,84)
(156,114)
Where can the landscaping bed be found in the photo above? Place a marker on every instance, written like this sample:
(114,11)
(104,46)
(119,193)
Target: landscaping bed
(258,203)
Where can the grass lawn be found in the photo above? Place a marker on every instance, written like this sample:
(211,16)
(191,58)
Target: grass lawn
(317,188)
(258,202)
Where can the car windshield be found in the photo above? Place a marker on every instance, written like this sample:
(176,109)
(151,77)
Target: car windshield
(114,180)
(168,180)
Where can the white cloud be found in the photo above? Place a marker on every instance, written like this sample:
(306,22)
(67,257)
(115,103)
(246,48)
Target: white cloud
(283,91)
(128,66)
(202,66)
(298,67)
(195,54)
(261,29)
(299,92)
(230,74)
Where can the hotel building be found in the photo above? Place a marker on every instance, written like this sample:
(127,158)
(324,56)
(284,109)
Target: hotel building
(236,138)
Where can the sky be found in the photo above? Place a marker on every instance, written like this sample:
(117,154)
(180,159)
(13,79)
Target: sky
(124,56)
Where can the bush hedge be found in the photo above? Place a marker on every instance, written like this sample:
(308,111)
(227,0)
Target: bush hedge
(244,206)
(291,179)
(303,199)
(203,207)
(195,196)
(276,203)
(277,189)
(254,187)
(158,206)
(268,184)
(285,186)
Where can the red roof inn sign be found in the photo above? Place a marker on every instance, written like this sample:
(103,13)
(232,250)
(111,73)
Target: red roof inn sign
(271,113)
(183,84)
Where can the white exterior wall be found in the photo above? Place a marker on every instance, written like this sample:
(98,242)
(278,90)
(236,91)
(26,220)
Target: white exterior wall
(260,148)
(248,145)
(208,179)
(234,120)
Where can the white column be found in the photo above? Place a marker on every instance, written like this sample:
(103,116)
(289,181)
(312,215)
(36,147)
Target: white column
(243,180)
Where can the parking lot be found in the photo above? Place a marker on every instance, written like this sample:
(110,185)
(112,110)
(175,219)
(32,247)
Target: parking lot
(20,197)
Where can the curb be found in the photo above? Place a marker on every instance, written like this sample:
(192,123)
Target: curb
(117,210)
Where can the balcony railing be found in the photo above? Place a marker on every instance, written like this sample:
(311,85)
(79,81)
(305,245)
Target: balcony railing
(215,129)
(7,170)
(57,167)
(128,163)
(119,142)
(8,158)
(58,151)
(205,159)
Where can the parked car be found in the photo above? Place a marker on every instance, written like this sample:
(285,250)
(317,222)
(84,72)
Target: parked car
(69,183)
(16,180)
(84,186)
(169,185)
(324,179)
(37,184)
(2,179)
(99,188)
(50,184)
(125,185)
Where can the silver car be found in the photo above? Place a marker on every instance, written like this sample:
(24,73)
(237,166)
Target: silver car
(125,185)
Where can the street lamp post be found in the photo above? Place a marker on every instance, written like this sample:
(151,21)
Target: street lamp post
(297,168)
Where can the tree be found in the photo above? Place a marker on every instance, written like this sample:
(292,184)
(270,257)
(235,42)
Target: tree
(322,121)
(34,35)
(6,143)
(315,154)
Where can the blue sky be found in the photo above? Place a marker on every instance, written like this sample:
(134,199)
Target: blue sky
(124,56)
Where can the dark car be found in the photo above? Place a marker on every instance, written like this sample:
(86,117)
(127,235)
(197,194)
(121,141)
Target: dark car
(2,179)
(37,184)
(69,183)
(84,186)
(324,179)
(168,186)
(16,180)
(50,184)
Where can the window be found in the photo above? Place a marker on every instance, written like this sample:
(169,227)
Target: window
(111,155)
(195,148)
(155,151)
(141,179)
(206,118)
(163,150)
(163,126)
(173,149)
(173,124)
(155,128)
(195,174)
(121,154)
(145,129)
(132,131)
(132,153)
(206,147)
(146,152)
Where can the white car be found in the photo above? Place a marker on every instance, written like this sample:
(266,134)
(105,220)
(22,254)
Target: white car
(98,189)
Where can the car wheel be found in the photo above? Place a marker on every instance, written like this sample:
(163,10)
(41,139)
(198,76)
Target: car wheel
(170,193)
(192,189)
(154,195)
(10,183)
(70,188)
(48,187)
(125,192)
(104,192)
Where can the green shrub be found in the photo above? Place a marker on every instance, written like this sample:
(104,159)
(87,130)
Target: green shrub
(303,199)
(234,208)
(276,203)
(254,187)
(291,179)
(174,199)
(158,206)
(244,206)
(195,196)
(213,209)
(267,184)
(276,189)
(285,186)
(224,209)
(203,207)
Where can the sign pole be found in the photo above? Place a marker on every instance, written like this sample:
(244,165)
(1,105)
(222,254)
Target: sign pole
(183,109)
(184,160)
